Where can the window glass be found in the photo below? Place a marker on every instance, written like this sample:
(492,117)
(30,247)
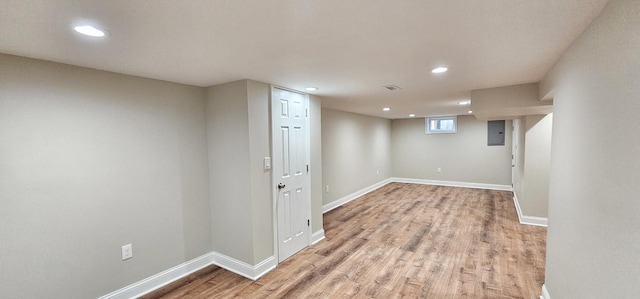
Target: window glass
(446,124)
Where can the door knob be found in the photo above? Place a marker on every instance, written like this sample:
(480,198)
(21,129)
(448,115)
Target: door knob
(281,185)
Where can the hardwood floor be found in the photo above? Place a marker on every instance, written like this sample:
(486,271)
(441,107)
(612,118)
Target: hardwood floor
(401,241)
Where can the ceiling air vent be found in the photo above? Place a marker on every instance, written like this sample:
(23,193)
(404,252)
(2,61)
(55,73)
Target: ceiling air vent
(391,87)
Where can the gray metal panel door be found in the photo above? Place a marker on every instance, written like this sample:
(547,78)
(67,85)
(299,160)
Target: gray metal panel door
(495,131)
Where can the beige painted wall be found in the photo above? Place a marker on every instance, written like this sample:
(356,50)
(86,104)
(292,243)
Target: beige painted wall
(315,115)
(260,147)
(463,157)
(354,148)
(537,161)
(229,170)
(518,136)
(239,130)
(91,161)
(238,126)
(594,229)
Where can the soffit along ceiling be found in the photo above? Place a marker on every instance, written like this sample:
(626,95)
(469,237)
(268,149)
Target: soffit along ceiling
(348,49)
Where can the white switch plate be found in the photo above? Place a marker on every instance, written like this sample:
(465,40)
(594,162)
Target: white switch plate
(439,169)
(267,163)
(127,252)
(327,189)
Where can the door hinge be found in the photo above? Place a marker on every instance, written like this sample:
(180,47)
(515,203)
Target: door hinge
(308,222)
(307,168)
(306,112)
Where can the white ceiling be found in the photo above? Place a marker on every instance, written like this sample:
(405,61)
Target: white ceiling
(349,49)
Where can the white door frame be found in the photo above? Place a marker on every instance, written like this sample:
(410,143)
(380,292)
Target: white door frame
(274,181)
(515,139)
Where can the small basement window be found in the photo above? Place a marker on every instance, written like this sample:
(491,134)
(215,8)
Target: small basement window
(440,125)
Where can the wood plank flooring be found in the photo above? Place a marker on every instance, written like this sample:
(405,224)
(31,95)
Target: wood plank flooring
(401,241)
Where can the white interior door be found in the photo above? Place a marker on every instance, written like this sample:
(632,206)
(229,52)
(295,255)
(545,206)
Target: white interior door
(290,171)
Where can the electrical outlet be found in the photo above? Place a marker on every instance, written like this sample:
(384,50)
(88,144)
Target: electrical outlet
(326,189)
(127,252)
(439,169)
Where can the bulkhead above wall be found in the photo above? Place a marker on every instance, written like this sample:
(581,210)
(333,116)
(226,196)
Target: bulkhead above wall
(509,102)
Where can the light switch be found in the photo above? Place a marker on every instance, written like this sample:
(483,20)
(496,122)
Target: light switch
(267,163)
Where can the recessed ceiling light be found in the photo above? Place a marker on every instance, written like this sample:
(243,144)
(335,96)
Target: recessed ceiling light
(386,109)
(90,30)
(311,88)
(440,69)
(462,103)
(412,115)
(469,111)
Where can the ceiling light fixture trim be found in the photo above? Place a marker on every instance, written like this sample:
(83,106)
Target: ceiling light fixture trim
(90,30)
(439,70)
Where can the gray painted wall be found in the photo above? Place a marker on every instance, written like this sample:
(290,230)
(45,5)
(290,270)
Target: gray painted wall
(594,229)
(354,148)
(91,161)
(463,157)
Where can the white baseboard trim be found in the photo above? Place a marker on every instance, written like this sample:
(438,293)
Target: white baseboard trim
(317,236)
(517,204)
(242,268)
(345,199)
(545,293)
(528,220)
(166,277)
(161,279)
(532,220)
(453,184)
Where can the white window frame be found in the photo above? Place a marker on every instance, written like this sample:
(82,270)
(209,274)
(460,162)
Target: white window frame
(429,130)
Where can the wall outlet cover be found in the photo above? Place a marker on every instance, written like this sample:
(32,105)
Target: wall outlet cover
(127,252)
